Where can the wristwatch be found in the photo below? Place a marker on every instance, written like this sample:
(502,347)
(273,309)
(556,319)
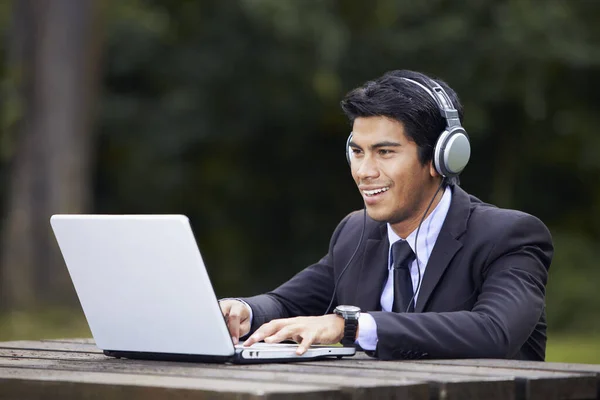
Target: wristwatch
(350,315)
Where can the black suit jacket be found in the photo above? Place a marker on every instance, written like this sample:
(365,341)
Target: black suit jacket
(482,294)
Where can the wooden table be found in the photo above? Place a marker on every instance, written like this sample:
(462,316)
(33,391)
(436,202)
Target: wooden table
(77,369)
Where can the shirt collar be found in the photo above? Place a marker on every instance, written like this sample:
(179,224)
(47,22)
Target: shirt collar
(430,229)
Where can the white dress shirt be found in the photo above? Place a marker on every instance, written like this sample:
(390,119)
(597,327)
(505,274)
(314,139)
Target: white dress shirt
(430,229)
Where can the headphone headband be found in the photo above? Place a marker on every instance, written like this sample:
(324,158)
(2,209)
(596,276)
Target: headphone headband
(441,98)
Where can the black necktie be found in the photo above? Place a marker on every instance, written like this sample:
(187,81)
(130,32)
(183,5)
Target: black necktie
(402,256)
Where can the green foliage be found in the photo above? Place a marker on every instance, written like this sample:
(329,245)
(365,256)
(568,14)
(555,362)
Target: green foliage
(228,111)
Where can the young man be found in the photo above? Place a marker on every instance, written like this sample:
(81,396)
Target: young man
(432,272)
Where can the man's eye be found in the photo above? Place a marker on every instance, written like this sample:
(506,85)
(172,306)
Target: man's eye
(355,151)
(385,152)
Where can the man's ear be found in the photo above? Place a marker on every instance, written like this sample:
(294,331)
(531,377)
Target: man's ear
(432,171)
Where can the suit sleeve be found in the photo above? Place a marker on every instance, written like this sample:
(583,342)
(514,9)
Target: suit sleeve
(307,293)
(506,312)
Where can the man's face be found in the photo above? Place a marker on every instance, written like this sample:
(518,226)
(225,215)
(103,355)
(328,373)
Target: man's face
(394,184)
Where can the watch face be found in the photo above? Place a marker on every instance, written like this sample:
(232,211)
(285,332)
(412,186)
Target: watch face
(349,309)
(348,312)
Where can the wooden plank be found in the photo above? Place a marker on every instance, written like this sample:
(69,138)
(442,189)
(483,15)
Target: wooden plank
(353,388)
(531,384)
(51,354)
(443,385)
(72,340)
(22,383)
(526,365)
(516,364)
(47,345)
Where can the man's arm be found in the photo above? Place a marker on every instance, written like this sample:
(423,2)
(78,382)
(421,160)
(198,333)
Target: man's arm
(307,293)
(506,312)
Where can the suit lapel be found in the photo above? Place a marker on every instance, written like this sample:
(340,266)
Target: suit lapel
(446,245)
(445,248)
(373,273)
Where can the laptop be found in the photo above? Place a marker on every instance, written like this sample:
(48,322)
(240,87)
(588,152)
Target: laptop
(146,294)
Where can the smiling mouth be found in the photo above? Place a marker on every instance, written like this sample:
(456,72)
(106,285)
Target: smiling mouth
(375,192)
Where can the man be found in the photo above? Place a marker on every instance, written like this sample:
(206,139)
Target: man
(435,272)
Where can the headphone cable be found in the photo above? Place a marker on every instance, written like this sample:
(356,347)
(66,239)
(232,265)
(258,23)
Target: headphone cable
(412,300)
(337,281)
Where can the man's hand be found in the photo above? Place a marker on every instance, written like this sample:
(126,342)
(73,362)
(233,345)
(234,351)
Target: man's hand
(237,317)
(327,329)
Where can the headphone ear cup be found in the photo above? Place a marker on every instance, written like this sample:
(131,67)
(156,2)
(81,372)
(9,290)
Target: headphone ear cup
(348,148)
(452,152)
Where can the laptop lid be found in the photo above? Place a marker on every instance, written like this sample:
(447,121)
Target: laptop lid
(142,283)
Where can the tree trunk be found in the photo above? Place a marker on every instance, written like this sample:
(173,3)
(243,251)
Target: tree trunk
(55,47)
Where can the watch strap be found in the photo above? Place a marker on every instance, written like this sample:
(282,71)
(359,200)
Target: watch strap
(350,328)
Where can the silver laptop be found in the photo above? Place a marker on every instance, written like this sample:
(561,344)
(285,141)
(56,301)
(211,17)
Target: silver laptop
(146,294)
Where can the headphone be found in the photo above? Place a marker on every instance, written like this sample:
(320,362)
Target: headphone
(452,149)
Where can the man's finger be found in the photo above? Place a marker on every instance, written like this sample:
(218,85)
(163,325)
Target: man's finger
(235,313)
(264,331)
(259,335)
(307,341)
(287,332)
(234,324)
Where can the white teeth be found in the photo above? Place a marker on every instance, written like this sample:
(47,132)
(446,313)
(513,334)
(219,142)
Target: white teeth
(376,191)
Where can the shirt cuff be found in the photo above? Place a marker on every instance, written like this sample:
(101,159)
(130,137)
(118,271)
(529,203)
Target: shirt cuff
(367,332)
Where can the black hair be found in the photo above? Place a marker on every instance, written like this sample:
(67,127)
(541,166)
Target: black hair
(393,97)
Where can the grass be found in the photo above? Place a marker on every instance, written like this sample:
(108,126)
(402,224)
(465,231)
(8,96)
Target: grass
(43,324)
(575,348)
(65,323)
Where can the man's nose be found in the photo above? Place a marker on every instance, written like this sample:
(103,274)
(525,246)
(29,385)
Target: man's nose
(366,168)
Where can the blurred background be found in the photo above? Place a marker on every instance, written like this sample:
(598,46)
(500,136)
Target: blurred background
(228,112)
